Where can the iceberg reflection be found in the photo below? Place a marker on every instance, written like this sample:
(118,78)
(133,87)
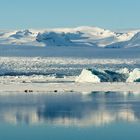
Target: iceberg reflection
(97,109)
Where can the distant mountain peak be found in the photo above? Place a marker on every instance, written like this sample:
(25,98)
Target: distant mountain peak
(79,36)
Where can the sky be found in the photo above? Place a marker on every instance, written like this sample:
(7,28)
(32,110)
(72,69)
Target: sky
(109,14)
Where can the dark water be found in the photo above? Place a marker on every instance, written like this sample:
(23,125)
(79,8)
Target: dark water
(97,116)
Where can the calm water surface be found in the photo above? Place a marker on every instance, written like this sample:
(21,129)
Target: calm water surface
(69,116)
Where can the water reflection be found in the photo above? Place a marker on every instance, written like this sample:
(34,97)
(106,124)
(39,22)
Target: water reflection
(96,109)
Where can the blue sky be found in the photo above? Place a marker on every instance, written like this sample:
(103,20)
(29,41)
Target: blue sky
(112,14)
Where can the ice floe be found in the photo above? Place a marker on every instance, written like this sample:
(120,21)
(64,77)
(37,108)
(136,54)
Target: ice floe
(97,75)
(87,76)
(134,76)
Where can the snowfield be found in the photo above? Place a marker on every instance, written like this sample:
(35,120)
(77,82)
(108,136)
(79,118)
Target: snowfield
(80,36)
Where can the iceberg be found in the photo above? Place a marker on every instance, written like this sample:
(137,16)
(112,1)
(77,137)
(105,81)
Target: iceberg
(87,76)
(96,76)
(134,76)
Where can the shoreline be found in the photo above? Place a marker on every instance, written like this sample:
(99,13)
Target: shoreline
(83,88)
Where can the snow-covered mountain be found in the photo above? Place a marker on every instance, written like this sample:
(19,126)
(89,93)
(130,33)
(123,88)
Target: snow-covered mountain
(80,36)
(133,42)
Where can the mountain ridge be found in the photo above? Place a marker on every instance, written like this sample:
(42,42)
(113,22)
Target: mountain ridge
(79,36)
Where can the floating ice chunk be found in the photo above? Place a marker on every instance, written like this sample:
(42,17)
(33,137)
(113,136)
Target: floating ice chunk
(124,71)
(114,76)
(134,76)
(96,76)
(87,76)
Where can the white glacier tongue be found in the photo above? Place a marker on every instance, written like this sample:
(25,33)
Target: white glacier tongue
(96,76)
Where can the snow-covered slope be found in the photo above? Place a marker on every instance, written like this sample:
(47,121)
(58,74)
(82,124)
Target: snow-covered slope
(80,36)
(133,42)
(23,37)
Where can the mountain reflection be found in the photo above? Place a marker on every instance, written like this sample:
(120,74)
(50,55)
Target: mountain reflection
(96,109)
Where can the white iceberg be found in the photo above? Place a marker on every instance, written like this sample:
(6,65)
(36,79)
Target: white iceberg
(124,71)
(87,76)
(96,76)
(134,76)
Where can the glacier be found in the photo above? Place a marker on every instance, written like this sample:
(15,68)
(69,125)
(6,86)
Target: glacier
(79,36)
